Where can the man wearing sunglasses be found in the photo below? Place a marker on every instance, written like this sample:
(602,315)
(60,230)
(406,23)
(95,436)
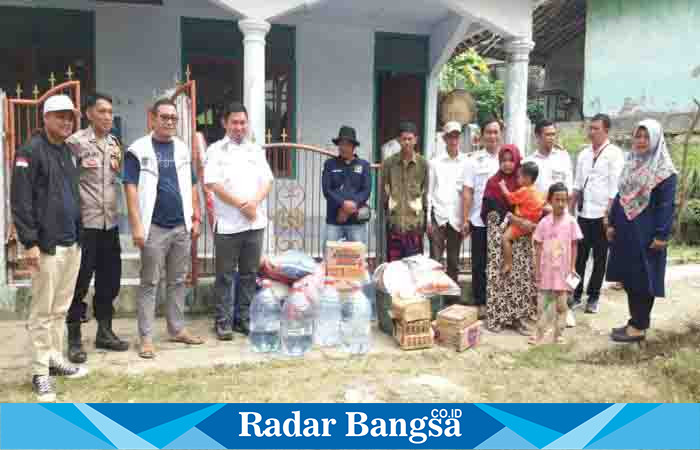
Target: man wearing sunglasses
(161,197)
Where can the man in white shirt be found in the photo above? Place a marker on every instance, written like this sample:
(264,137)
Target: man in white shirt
(480,166)
(554,164)
(597,174)
(238,174)
(445,218)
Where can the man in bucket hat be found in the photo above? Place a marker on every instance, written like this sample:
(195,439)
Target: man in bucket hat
(46,213)
(346,186)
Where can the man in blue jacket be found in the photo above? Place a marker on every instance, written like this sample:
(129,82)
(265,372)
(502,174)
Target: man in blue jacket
(346,186)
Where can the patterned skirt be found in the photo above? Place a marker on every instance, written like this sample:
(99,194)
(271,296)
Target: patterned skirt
(512,297)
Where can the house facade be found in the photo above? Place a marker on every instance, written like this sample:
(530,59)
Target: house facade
(303,68)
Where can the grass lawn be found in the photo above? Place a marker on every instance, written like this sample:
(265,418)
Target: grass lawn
(667,369)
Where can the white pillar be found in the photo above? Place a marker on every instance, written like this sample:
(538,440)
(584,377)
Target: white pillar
(431,111)
(254,32)
(518,51)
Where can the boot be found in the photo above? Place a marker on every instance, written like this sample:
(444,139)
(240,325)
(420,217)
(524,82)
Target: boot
(106,339)
(76,354)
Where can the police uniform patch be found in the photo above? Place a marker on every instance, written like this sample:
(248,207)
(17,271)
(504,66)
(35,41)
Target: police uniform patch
(357,168)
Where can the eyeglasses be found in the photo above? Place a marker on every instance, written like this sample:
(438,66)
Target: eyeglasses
(165,118)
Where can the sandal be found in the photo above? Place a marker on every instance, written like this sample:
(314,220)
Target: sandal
(184,337)
(534,340)
(523,329)
(147,350)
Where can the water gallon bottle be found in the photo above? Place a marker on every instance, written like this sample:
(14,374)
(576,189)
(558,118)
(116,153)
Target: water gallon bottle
(297,324)
(265,314)
(328,315)
(355,331)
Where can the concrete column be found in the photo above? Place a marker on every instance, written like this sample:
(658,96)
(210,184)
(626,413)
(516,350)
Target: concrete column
(518,51)
(254,32)
(431,111)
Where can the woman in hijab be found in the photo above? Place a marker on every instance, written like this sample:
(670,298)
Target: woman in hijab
(640,223)
(511,299)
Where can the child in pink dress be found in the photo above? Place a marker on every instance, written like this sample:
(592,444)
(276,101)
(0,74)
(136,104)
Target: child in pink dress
(555,239)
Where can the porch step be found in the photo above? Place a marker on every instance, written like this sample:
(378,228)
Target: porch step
(14,301)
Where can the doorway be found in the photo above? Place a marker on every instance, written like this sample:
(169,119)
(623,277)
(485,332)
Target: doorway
(400,97)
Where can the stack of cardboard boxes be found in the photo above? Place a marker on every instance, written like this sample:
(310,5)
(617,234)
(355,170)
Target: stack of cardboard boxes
(345,261)
(458,327)
(412,326)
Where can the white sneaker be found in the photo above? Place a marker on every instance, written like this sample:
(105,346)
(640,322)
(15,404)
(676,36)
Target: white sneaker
(61,369)
(570,319)
(43,388)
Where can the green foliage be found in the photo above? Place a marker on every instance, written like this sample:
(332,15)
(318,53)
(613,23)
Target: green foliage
(535,111)
(691,213)
(470,70)
(489,98)
(693,187)
(573,140)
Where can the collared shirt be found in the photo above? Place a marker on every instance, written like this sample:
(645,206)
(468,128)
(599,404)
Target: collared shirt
(602,179)
(553,168)
(100,165)
(242,170)
(445,190)
(480,166)
(406,188)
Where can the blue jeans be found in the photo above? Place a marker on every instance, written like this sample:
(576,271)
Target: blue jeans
(351,233)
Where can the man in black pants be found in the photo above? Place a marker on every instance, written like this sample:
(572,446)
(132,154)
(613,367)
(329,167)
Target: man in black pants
(99,156)
(597,173)
(481,166)
(240,177)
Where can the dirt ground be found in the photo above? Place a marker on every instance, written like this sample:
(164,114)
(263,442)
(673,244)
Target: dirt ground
(588,368)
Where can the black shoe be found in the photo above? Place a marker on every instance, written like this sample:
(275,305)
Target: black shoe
(107,340)
(622,336)
(223,331)
(619,329)
(592,307)
(43,388)
(61,369)
(242,327)
(76,354)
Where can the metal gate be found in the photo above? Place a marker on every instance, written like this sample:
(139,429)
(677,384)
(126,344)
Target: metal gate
(185,98)
(296,205)
(23,117)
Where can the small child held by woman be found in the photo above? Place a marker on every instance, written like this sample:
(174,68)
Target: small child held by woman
(528,205)
(555,239)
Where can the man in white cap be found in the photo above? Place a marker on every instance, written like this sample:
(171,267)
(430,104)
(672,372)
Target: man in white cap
(445,218)
(46,213)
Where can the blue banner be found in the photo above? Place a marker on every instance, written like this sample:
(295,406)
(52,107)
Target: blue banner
(354,426)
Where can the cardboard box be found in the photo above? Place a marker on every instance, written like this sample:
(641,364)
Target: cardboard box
(346,254)
(410,309)
(347,273)
(414,335)
(461,339)
(458,316)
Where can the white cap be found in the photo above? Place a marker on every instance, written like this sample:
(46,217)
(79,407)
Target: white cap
(59,103)
(451,127)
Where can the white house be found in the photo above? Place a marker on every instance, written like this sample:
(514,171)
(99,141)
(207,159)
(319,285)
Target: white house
(302,67)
